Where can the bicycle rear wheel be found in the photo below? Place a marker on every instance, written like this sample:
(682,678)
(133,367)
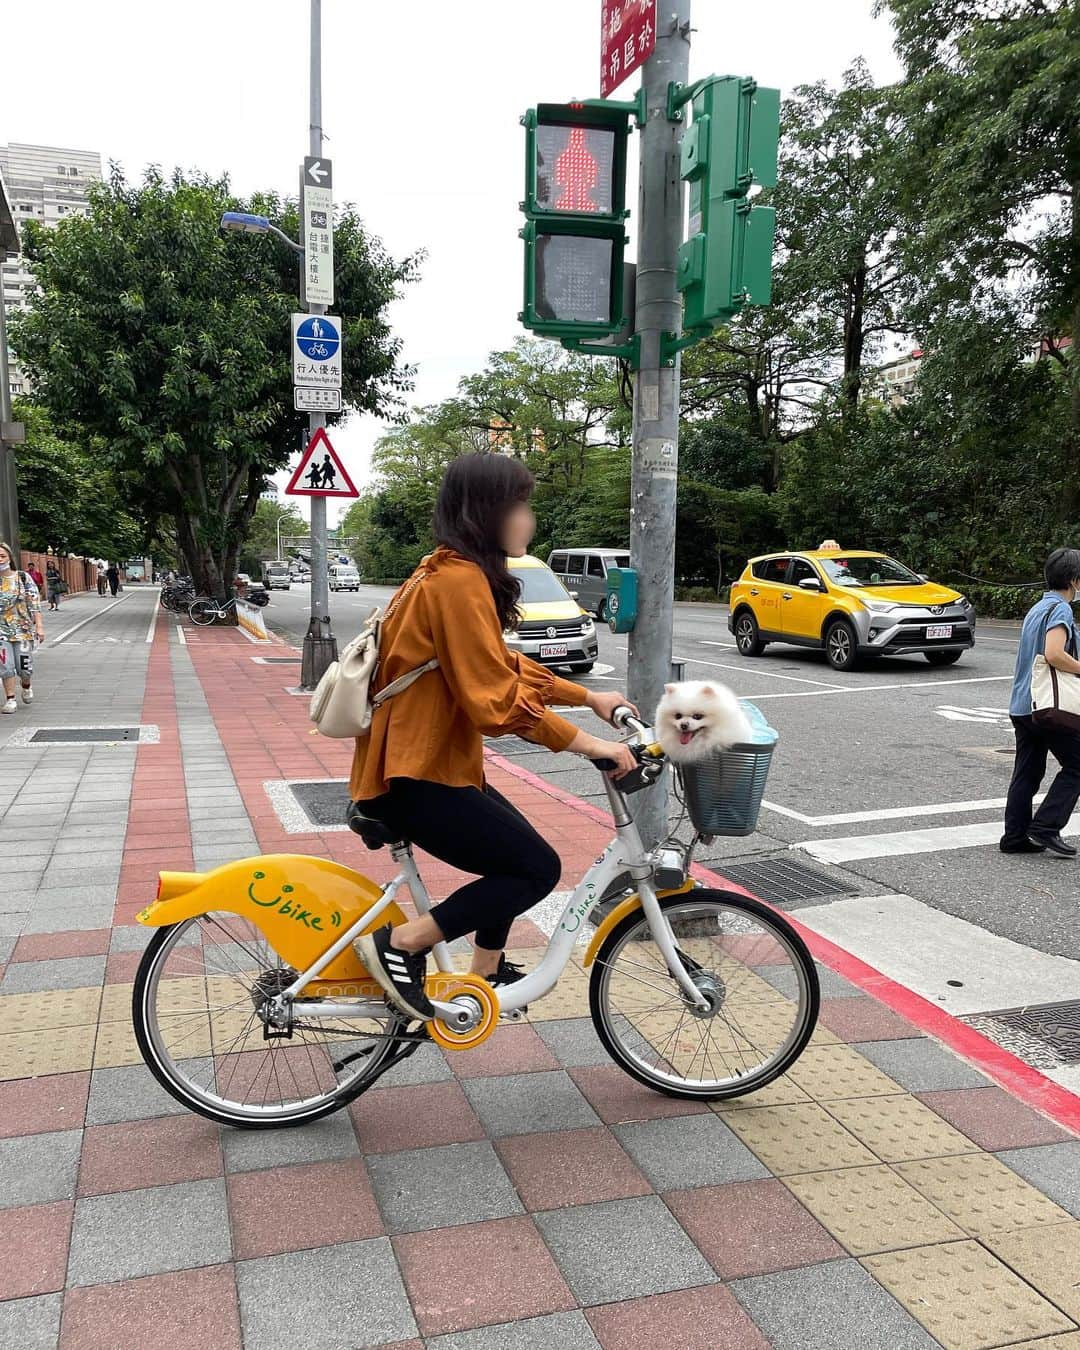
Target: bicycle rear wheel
(196,1007)
(204,611)
(752,966)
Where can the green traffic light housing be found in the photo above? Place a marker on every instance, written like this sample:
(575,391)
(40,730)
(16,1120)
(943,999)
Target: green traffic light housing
(726,262)
(575,205)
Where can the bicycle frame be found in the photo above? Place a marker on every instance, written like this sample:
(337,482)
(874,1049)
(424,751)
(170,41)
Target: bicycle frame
(625,853)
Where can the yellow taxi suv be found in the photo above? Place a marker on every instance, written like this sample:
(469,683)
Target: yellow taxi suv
(554,629)
(851,605)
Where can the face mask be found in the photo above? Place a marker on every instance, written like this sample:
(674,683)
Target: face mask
(5,566)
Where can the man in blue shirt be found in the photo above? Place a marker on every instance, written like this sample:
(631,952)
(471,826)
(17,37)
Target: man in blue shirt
(1049,630)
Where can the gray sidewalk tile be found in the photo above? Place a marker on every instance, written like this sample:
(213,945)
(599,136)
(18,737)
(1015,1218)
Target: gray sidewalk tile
(68,870)
(836,1304)
(38,1167)
(71,893)
(573,1041)
(1053,1168)
(331,1137)
(425,1065)
(785,980)
(340,1296)
(622,1249)
(7,946)
(12,922)
(130,938)
(67,972)
(684,1151)
(133,1233)
(65,919)
(435,1187)
(31,1323)
(129,1093)
(557,1331)
(24,881)
(921,1065)
(528,1103)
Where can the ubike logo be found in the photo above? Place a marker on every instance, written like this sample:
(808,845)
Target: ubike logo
(574,915)
(289,908)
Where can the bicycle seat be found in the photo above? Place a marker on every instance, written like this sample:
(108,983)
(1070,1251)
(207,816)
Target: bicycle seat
(374,833)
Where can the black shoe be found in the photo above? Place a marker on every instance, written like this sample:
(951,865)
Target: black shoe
(1054,843)
(507,972)
(401,974)
(1021,846)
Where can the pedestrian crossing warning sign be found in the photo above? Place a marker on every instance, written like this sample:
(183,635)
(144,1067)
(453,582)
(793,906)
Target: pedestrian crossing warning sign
(320,472)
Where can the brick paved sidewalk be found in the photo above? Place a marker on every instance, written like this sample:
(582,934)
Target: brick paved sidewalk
(525,1194)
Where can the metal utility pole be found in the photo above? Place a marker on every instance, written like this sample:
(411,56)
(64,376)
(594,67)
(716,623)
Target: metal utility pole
(9,498)
(320,649)
(656,388)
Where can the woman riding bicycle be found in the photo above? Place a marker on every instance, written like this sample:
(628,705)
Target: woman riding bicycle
(421,769)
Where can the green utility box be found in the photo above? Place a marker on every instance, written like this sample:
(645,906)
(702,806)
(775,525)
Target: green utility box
(621,604)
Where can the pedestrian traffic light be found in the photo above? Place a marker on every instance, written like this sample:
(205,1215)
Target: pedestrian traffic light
(726,262)
(575,194)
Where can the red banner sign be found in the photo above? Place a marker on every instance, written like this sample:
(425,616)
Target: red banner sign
(627,39)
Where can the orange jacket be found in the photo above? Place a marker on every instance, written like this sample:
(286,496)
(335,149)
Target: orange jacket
(434,729)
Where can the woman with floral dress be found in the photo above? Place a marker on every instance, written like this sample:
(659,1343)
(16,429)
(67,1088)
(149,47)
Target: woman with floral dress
(20,626)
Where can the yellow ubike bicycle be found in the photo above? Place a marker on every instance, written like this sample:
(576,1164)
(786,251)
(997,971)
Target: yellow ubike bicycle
(252,1007)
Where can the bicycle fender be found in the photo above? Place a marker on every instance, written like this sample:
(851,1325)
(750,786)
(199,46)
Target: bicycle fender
(299,903)
(621,910)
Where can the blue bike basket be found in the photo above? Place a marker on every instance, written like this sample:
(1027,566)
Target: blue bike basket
(723,793)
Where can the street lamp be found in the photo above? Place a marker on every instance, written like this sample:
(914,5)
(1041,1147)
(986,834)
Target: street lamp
(245,223)
(284,516)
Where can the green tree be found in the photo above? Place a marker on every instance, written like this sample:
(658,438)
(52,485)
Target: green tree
(167,341)
(262,537)
(993,168)
(69,500)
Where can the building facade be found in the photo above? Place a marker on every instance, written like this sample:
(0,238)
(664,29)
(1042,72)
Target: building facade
(46,183)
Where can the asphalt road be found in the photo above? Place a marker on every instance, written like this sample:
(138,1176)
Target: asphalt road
(888,782)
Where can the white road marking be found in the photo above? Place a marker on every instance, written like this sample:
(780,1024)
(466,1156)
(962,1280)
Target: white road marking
(705,642)
(876,688)
(180,634)
(153,618)
(893,812)
(905,842)
(923,948)
(952,713)
(771,675)
(55,642)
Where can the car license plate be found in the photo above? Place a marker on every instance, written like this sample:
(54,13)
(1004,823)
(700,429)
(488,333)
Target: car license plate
(940,630)
(553,649)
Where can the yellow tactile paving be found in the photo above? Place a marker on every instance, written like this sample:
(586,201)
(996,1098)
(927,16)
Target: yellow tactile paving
(900,1129)
(965,1297)
(871,1209)
(981,1193)
(832,1072)
(49,1008)
(115,1046)
(780,1092)
(799,1138)
(569,998)
(29,1054)
(1069,1341)
(1047,1257)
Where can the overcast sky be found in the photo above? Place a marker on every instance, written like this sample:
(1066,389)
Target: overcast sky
(421,100)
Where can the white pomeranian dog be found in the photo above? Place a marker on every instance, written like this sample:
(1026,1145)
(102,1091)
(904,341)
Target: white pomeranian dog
(696,718)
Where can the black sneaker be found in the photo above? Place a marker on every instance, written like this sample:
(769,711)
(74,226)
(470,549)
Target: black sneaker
(401,974)
(1021,846)
(508,972)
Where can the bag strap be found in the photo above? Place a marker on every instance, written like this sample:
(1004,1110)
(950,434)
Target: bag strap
(403,681)
(414,580)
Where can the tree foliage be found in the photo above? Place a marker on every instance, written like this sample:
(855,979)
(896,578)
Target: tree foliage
(166,342)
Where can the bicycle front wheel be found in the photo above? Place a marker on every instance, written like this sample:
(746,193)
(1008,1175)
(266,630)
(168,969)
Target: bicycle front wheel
(754,970)
(198,1007)
(203,611)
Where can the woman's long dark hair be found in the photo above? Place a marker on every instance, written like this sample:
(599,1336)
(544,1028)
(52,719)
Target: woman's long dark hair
(476,494)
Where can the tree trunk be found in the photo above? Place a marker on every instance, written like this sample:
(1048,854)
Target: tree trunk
(1070,504)
(854,338)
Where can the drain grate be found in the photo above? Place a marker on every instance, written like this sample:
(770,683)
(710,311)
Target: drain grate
(780,881)
(1045,1034)
(278,660)
(82,735)
(305,806)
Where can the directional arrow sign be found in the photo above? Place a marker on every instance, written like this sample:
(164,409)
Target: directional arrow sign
(317,230)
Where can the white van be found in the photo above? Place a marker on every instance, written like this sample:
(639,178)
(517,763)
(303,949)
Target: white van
(583,571)
(344,577)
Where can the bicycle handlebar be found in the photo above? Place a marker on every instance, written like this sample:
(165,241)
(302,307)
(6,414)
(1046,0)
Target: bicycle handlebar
(624,717)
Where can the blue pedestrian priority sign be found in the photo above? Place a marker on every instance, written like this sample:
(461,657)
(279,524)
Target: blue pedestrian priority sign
(316,351)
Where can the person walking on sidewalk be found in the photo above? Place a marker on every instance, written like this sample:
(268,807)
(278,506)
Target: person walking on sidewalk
(1049,630)
(34,573)
(55,585)
(20,626)
(102,579)
(421,769)
(112,572)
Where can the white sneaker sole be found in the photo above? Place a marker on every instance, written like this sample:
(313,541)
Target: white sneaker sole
(365,946)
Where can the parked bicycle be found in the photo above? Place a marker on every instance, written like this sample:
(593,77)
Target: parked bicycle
(251,1006)
(177,595)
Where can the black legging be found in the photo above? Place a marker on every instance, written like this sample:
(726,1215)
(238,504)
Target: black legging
(477,832)
(1033,743)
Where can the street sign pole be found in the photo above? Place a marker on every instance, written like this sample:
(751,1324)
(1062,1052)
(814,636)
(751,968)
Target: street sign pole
(656,389)
(320,646)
